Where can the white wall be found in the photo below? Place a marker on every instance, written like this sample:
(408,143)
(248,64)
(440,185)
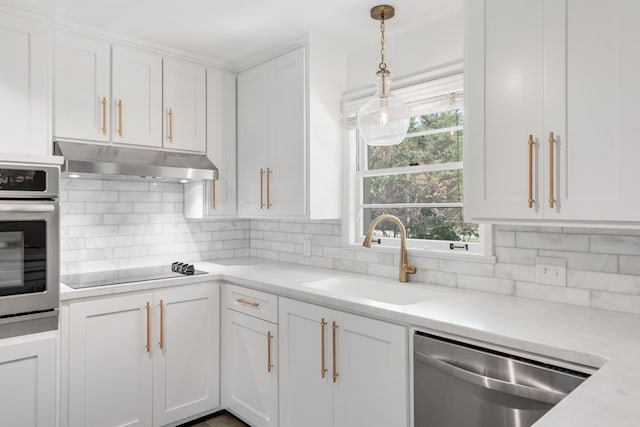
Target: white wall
(408,53)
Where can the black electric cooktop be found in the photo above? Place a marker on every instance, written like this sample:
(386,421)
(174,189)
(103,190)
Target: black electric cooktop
(116,277)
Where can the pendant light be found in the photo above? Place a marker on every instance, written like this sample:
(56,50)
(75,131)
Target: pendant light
(383,120)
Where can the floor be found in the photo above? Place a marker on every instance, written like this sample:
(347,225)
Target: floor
(224,420)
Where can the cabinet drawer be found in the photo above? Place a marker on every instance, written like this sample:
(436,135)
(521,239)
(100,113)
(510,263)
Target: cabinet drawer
(254,303)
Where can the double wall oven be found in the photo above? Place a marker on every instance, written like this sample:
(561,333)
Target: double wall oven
(29,248)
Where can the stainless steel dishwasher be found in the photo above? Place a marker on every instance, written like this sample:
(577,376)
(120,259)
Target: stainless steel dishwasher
(462,385)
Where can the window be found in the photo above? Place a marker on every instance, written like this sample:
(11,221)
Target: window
(420,180)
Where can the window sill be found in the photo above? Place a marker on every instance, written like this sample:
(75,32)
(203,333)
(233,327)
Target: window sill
(431,253)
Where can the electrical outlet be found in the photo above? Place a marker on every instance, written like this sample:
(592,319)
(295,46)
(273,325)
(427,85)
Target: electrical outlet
(307,247)
(551,271)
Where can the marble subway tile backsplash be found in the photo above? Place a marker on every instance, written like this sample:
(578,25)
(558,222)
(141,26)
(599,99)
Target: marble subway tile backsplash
(109,224)
(603,266)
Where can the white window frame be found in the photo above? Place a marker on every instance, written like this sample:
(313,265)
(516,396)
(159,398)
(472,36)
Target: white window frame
(428,86)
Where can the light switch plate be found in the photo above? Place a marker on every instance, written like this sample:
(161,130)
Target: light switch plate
(551,271)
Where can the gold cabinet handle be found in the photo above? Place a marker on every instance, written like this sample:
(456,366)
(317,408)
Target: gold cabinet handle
(161,324)
(104,115)
(119,117)
(323,370)
(552,200)
(148,346)
(269,364)
(213,194)
(530,200)
(335,369)
(246,302)
(170,136)
(269,172)
(261,193)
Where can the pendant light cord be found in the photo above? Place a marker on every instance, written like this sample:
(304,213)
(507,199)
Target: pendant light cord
(382,67)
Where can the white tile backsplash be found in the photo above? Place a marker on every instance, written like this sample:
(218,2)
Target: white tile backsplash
(109,224)
(603,266)
(118,224)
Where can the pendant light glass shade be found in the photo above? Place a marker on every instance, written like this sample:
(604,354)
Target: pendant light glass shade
(383,120)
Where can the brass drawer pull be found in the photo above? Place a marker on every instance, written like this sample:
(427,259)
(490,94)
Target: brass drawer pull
(323,369)
(246,302)
(552,200)
(531,143)
(269,364)
(104,115)
(161,324)
(261,192)
(170,136)
(269,172)
(148,346)
(335,369)
(119,117)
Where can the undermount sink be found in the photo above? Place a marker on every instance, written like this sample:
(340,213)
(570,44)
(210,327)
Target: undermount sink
(385,292)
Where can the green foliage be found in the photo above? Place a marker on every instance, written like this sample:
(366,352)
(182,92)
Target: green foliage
(434,187)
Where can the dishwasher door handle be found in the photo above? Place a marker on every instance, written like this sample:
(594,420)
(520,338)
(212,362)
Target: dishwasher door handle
(523,391)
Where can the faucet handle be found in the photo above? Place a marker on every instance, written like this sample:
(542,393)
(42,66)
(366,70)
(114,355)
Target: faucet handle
(410,269)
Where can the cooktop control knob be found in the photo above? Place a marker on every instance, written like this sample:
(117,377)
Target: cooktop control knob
(183,268)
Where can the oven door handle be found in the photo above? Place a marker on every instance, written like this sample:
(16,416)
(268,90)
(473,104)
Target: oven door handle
(27,208)
(523,391)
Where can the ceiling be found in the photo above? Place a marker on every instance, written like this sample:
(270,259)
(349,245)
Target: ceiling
(236,33)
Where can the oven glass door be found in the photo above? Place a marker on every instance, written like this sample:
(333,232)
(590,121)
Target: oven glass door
(28,256)
(23,257)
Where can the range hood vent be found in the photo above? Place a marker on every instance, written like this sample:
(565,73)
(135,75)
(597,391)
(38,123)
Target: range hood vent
(133,163)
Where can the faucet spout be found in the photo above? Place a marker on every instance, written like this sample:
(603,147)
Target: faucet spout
(405,268)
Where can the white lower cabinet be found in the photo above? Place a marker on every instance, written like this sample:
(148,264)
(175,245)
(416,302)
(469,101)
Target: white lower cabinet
(339,369)
(28,380)
(250,359)
(147,359)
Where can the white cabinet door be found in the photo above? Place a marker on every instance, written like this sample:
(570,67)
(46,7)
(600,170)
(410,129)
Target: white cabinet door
(24,73)
(217,198)
(271,137)
(286,112)
(504,90)
(184,106)
(253,140)
(306,390)
(371,387)
(350,372)
(185,352)
(250,368)
(530,69)
(28,378)
(81,90)
(110,375)
(593,65)
(221,141)
(136,104)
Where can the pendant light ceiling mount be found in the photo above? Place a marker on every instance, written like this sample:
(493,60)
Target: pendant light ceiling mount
(383,120)
(382,12)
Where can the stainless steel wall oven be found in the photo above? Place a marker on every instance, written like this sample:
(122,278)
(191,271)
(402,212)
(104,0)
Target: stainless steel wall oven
(29,248)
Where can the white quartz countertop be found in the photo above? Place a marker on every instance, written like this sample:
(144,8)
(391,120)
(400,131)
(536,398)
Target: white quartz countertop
(602,339)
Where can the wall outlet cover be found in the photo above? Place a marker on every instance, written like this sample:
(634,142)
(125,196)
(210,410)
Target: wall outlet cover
(551,271)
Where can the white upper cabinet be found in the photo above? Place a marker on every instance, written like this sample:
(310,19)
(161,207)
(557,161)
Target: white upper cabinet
(217,198)
(184,113)
(564,72)
(81,88)
(24,73)
(289,134)
(271,137)
(137,97)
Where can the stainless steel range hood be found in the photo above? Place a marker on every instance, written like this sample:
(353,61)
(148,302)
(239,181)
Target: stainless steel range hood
(133,163)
